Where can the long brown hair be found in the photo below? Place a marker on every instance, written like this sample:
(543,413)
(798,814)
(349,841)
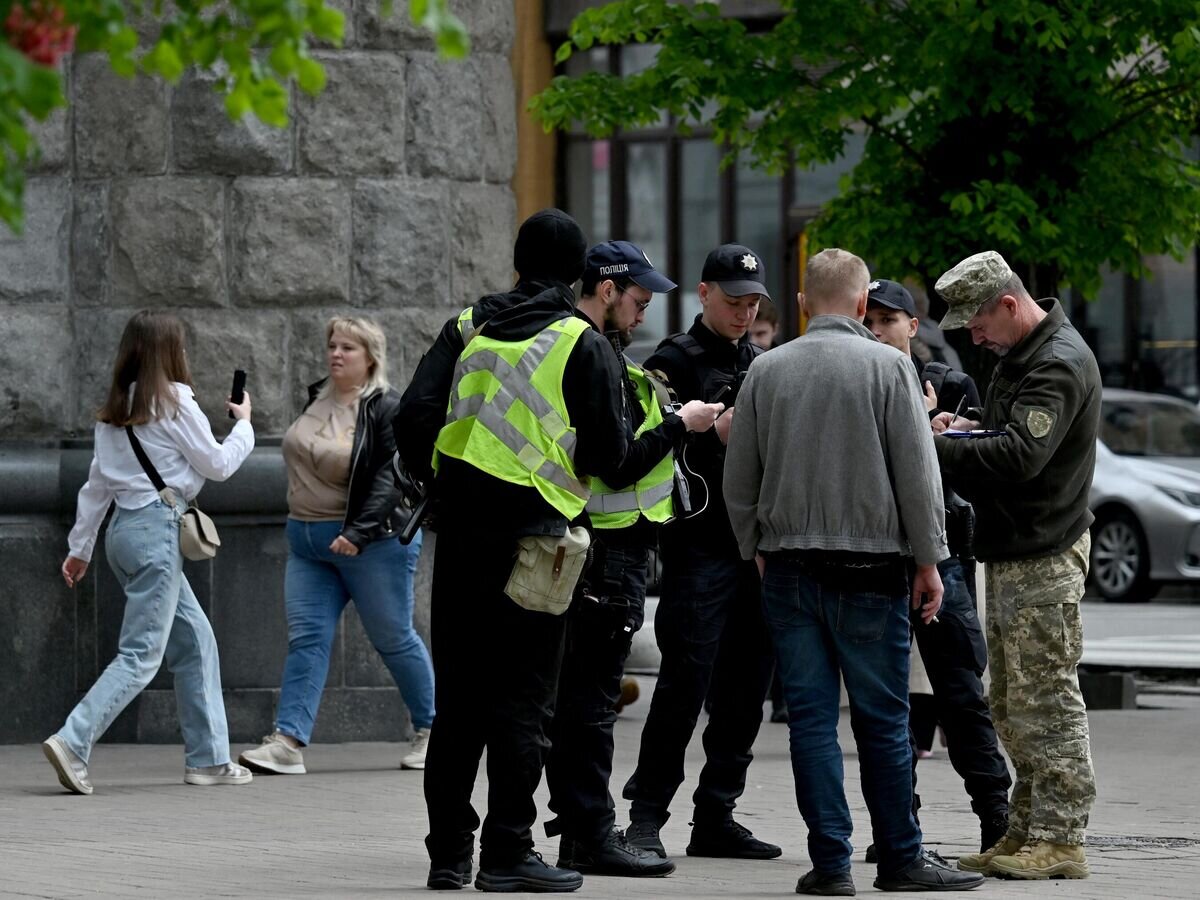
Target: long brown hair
(150,354)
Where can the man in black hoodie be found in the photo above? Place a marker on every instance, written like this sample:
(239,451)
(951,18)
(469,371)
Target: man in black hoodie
(496,664)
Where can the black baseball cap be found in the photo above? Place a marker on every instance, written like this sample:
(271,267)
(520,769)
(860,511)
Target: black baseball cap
(737,269)
(891,294)
(623,261)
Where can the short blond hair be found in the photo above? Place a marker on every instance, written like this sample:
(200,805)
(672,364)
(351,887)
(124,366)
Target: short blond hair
(363,331)
(835,277)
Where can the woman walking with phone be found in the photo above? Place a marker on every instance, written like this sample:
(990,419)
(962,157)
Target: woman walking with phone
(151,400)
(341,533)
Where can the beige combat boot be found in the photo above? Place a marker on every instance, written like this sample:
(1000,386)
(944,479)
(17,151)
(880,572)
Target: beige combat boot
(982,862)
(1042,859)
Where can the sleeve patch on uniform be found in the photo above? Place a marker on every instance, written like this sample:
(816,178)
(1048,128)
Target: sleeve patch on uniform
(1039,421)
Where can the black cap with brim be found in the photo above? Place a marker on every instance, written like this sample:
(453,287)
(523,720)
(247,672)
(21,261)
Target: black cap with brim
(742,288)
(654,281)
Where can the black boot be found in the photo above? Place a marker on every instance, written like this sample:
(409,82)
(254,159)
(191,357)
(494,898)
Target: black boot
(729,840)
(823,885)
(929,872)
(616,856)
(531,874)
(644,834)
(449,876)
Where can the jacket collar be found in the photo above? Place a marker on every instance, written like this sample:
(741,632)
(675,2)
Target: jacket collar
(1030,344)
(836,323)
(713,342)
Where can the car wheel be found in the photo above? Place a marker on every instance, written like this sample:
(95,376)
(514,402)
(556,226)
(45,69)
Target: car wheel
(1120,566)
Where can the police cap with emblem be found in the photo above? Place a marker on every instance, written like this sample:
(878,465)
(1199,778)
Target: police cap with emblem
(623,262)
(737,269)
(970,284)
(893,295)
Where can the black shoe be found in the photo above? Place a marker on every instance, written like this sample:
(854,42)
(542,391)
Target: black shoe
(616,856)
(929,872)
(644,835)
(532,875)
(991,831)
(872,855)
(731,841)
(449,876)
(823,885)
(566,852)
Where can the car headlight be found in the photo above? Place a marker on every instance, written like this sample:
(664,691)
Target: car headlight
(1187,498)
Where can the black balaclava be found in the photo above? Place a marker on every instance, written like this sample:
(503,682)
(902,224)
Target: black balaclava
(550,244)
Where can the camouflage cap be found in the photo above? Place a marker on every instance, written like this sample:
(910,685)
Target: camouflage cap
(970,284)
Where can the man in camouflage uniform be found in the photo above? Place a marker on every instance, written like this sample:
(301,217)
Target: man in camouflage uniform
(1029,484)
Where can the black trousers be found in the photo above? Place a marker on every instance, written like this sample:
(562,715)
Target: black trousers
(600,628)
(955,655)
(714,642)
(496,667)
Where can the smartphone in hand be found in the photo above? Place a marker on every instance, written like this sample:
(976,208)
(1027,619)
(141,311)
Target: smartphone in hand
(237,393)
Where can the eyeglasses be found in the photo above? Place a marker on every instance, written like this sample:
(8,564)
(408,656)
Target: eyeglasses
(642,305)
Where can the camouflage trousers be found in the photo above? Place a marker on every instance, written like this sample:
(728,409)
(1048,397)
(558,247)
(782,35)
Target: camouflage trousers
(1035,639)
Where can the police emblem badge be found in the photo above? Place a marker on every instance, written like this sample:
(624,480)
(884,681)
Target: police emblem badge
(1039,422)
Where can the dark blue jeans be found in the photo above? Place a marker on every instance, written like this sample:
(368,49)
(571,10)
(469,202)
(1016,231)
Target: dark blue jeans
(822,630)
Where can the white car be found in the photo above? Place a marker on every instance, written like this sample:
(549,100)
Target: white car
(1145,495)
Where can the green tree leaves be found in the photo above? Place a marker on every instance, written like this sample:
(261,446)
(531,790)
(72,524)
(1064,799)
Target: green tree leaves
(1061,134)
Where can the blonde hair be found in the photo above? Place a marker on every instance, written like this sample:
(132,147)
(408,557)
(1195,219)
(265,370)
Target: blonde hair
(362,331)
(835,277)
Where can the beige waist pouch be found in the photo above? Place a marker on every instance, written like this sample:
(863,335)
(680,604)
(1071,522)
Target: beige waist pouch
(547,569)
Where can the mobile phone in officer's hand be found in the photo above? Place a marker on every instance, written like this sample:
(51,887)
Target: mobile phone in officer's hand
(238,393)
(724,392)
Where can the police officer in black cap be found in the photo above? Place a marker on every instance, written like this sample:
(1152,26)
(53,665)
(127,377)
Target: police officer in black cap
(953,648)
(709,622)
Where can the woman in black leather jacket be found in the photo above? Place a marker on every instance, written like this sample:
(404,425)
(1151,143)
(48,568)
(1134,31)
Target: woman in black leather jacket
(342,545)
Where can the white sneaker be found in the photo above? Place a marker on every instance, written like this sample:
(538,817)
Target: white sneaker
(420,746)
(274,757)
(230,773)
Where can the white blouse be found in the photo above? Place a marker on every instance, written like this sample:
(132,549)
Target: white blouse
(182,448)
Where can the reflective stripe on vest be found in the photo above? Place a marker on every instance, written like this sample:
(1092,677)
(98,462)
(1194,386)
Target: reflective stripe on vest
(651,495)
(507,415)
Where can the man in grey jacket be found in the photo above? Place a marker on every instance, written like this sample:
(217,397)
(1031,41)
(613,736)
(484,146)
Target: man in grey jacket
(831,482)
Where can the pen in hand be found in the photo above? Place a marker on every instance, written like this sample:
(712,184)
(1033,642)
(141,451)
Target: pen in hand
(957,410)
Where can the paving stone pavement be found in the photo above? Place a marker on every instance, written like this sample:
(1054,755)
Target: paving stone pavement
(353,827)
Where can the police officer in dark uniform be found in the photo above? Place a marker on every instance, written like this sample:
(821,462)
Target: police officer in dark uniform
(618,285)
(709,623)
(953,649)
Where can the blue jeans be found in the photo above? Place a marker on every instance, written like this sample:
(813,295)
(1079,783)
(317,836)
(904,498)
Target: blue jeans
(317,585)
(162,620)
(821,631)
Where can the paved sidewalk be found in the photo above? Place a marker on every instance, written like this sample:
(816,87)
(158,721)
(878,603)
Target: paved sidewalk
(354,826)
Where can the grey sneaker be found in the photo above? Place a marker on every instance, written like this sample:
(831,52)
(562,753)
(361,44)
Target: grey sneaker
(230,773)
(274,757)
(72,771)
(415,758)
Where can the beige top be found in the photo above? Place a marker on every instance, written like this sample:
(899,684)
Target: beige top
(317,449)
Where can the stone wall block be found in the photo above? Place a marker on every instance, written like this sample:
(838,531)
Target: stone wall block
(483,227)
(207,141)
(356,125)
(491,25)
(33,265)
(168,239)
(412,331)
(499,112)
(444,118)
(256,341)
(36,363)
(120,123)
(401,244)
(290,240)
(362,714)
(91,244)
(97,334)
(37,642)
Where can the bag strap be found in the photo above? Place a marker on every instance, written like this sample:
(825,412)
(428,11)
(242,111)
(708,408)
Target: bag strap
(147,466)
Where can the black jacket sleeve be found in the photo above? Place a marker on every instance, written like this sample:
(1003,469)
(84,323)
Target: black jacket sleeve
(422,410)
(373,518)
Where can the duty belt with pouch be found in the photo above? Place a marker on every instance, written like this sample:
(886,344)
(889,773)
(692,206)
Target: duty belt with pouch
(547,570)
(198,538)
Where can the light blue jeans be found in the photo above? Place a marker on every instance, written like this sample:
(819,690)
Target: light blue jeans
(163,620)
(318,585)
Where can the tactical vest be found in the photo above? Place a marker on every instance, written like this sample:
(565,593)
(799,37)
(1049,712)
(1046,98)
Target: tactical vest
(650,496)
(507,416)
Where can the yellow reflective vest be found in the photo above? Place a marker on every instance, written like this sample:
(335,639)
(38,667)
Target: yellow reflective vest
(507,416)
(651,495)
